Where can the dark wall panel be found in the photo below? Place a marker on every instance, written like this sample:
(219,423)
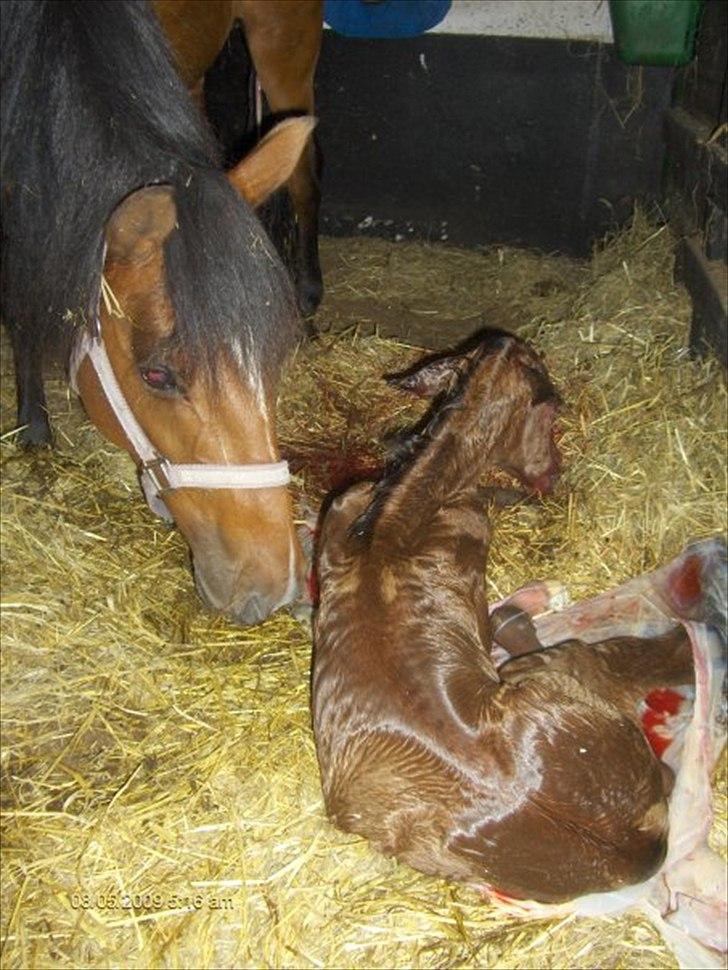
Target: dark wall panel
(487,140)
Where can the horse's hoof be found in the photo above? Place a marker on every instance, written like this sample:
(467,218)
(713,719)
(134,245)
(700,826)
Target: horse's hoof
(36,434)
(309,293)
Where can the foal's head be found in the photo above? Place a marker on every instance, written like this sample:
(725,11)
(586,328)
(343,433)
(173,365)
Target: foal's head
(498,396)
(196,341)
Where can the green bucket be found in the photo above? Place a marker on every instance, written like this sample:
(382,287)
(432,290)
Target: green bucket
(658,32)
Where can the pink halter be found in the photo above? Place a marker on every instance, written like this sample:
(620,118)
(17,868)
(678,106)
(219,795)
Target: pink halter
(158,475)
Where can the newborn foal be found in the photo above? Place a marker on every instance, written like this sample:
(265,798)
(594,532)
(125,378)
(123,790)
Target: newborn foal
(534,779)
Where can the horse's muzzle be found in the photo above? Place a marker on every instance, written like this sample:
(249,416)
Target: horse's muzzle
(242,607)
(253,611)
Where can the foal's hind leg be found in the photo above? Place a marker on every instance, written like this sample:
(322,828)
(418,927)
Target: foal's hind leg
(284,38)
(35,429)
(622,669)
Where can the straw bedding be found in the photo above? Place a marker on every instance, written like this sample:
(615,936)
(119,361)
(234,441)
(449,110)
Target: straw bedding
(160,795)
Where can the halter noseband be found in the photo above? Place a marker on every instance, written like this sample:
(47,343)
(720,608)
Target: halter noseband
(158,475)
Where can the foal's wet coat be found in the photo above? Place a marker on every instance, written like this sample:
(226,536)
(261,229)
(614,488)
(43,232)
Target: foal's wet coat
(534,778)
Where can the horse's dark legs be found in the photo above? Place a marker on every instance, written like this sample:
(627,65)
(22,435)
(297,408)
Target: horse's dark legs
(303,187)
(284,39)
(35,429)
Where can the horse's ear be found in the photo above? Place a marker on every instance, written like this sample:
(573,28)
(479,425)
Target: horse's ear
(141,223)
(431,378)
(272,160)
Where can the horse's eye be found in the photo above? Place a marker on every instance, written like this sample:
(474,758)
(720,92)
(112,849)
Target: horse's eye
(160,378)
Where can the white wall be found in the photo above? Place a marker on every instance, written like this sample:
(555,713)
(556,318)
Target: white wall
(561,19)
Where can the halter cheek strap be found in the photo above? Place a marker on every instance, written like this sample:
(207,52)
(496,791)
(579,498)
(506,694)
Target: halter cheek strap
(157,474)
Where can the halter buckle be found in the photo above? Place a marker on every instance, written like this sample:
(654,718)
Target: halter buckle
(156,471)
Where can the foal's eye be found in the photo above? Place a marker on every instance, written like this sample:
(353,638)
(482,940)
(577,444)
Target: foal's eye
(160,378)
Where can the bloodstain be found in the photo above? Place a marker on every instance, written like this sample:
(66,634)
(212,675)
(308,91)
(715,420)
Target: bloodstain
(664,700)
(312,587)
(504,897)
(661,704)
(684,585)
(651,720)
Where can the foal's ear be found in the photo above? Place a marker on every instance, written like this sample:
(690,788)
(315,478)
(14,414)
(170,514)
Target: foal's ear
(431,378)
(141,223)
(272,160)
(438,374)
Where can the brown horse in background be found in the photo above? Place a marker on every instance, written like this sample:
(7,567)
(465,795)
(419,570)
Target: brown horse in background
(284,39)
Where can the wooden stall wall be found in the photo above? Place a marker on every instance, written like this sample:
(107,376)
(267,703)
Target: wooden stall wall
(696,131)
(487,130)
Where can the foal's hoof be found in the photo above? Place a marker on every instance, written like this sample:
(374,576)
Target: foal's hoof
(514,631)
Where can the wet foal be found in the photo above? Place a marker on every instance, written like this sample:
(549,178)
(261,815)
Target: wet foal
(534,779)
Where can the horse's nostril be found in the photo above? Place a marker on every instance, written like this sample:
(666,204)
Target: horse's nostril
(255,610)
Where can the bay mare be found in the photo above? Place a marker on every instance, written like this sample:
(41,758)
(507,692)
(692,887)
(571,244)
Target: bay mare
(108,169)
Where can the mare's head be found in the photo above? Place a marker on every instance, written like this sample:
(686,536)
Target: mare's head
(201,316)
(502,388)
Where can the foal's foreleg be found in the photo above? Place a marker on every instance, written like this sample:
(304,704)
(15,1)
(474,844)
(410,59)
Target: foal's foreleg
(33,424)
(512,622)
(513,629)
(645,663)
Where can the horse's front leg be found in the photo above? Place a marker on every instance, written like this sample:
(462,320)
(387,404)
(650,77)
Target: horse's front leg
(35,429)
(284,39)
(305,192)
(513,630)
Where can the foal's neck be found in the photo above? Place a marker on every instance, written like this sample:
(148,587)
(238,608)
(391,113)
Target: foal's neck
(446,473)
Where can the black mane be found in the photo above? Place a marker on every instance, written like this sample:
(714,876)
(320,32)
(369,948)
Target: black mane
(403,457)
(92,109)
(408,451)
